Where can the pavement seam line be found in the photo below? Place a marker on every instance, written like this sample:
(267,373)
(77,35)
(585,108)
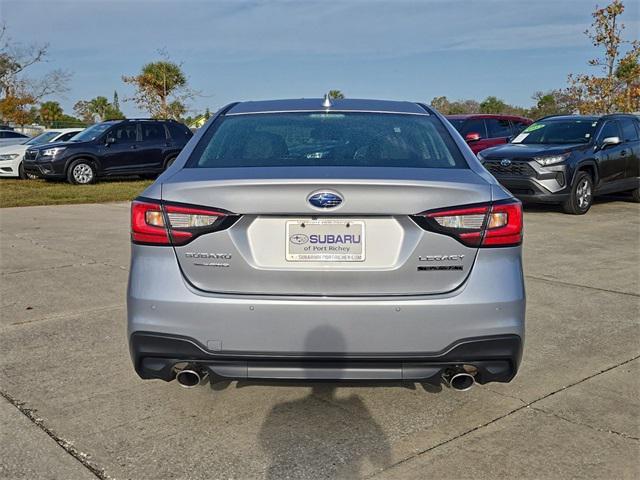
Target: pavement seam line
(54,267)
(577,285)
(486,424)
(74,313)
(78,455)
(592,427)
(91,261)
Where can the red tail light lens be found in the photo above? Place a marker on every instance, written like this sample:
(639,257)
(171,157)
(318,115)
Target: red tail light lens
(504,228)
(486,225)
(166,224)
(147,224)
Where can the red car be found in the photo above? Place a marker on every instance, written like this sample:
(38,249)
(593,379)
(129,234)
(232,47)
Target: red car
(483,130)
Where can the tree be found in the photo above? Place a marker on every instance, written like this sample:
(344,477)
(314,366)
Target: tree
(97,107)
(551,102)
(116,101)
(441,104)
(50,112)
(492,105)
(161,89)
(19,92)
(336,94)
(615,89)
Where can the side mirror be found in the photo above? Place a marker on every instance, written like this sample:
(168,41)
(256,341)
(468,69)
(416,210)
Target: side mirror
(610,141)
(472,137)
(109,141)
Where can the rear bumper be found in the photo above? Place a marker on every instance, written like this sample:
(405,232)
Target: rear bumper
(401,330)
(496,358)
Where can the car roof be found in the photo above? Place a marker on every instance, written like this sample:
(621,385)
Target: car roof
(592,118)
(316,104)
(464,116)
(65,130)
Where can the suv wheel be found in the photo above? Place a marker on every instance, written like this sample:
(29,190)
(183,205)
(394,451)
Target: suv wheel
(24,175)
(81,172)
(581,198)
(169,162)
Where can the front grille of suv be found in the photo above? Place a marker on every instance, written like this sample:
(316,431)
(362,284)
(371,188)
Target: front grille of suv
(31,155)
(520,169)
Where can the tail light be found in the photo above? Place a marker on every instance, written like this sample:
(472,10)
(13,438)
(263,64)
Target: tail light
(486,225)
(157,223)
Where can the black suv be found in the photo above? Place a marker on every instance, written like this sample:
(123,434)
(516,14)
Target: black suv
(114,148)
(569,159)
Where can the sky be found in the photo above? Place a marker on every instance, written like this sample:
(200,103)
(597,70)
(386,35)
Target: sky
(251,50)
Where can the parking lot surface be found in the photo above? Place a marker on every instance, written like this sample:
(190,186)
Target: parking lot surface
(72,406)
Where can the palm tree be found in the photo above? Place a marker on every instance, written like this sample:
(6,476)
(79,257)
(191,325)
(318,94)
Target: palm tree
(50,112)
(100,106)
(336,94)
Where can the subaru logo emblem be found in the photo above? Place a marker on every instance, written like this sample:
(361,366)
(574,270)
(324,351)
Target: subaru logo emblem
(325,200)
(299,239)
(505,162)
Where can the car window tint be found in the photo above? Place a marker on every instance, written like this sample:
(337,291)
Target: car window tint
(179,131)
(518,126)
(66,136)
(152,132)
(498,127)
(474,125)
(12,135)
(610,129)
(125,133)
(629,132)
(328,139)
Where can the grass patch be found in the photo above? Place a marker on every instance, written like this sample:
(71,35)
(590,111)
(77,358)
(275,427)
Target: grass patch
(22,193)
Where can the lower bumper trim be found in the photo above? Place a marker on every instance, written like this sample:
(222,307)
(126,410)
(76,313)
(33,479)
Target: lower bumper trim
(496,359)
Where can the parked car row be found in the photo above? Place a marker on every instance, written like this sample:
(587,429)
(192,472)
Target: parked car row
(11,157)
(142,147)
(485,131)
(569,159)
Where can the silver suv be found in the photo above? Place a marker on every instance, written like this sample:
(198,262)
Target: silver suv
(320,239)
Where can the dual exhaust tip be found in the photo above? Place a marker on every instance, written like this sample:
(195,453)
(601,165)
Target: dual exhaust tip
(459,380)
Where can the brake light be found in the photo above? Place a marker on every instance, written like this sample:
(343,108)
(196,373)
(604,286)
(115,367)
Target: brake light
(487,225)
(154,223)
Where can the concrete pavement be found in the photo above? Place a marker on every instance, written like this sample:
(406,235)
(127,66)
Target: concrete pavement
(73,407)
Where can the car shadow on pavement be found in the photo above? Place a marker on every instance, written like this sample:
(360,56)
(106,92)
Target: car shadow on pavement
(323,434)
(599,200)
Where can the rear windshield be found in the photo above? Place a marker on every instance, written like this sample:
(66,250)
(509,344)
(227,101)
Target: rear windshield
(557,132)
(327,139)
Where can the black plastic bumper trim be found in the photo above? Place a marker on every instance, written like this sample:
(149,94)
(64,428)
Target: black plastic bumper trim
(155,355)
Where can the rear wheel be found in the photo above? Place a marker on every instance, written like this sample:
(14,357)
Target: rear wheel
(81,172)
(581,198)
(169,162)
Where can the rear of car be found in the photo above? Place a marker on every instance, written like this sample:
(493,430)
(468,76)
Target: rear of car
(302,240)
(485,131)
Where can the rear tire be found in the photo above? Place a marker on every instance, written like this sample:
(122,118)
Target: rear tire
(169,162)
(635,195)
(581,197)
(81,172)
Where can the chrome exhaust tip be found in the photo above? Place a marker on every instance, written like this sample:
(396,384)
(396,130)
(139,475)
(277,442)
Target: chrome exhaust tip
(460,381)
(190,378)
